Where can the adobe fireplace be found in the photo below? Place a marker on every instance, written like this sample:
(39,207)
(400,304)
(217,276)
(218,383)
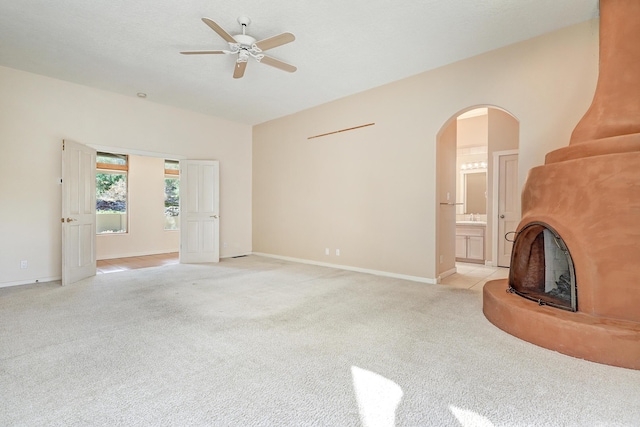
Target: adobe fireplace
(574,283)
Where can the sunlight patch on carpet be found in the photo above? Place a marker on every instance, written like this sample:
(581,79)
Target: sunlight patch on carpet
(378,398)
(468,418)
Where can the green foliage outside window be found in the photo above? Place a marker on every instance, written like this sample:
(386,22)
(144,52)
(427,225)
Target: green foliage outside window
(112,159)
(111,192)
(172,203)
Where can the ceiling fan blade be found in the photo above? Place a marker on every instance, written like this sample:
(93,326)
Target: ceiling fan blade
(218,29)
(238,72)
(275,41)
(203,52)
(278,64)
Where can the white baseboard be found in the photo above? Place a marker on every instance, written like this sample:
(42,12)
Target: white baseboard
(349,268)
(447,274)
(235,256)
(30,281)
(488,263)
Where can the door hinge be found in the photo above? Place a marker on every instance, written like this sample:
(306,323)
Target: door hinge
(63,145)
(62,220)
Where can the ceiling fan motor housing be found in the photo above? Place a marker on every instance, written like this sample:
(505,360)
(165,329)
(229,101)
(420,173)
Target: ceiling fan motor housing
(244,40)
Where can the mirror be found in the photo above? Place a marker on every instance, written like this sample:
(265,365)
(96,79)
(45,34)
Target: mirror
(475,192)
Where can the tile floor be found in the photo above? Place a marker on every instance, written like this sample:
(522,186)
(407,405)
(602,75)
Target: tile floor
(474,276)
(131,263)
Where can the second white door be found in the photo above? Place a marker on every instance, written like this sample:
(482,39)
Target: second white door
(78,212)
(199,211)
(508,206)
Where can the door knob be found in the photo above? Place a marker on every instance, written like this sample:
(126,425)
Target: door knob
(71,219)
(501,216)
(214,216)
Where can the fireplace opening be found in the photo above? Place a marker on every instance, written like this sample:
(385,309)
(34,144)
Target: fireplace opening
(541,267)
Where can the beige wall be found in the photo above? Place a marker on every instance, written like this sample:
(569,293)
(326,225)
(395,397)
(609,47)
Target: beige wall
(37,113)
(146,234)
(372,192)
(473,131)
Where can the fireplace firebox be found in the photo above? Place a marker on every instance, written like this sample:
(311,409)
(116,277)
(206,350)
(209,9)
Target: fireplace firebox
(541,267)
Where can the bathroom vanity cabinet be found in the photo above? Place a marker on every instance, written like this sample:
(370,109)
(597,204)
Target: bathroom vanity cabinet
(470,242)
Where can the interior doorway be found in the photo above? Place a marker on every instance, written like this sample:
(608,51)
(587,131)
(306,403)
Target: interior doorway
(468,229)
(82,246)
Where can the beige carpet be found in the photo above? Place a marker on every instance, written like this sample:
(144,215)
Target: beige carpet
(261,342)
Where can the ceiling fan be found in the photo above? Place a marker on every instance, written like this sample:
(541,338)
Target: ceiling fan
(246,46)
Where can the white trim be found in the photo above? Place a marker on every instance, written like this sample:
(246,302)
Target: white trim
(488,263)
(31,281)
(446,274)
(494,220)
(122,150)
(235,256)
(349,268)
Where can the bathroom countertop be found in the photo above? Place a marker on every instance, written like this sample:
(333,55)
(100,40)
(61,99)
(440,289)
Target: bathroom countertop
(475,223)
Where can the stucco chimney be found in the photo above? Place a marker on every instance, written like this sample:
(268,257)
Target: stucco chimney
(615,110)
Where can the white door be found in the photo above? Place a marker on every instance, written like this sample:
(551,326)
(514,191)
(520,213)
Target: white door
(199,211)
(508,206)
(78,212)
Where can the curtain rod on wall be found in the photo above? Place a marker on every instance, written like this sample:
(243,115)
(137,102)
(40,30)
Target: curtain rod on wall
(341,130)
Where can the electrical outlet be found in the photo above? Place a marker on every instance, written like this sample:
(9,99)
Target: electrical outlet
(326,251)
(337,252)
(23,264)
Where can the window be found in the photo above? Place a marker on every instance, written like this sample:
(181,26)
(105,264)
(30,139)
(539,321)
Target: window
(111,193)
(171,195)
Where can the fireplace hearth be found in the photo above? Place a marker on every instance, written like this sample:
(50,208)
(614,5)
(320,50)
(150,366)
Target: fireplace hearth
(574,280)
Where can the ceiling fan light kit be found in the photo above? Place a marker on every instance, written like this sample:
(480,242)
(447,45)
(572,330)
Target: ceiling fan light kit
(246,46)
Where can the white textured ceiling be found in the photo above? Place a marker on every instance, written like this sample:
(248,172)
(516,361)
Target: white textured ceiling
(342,46)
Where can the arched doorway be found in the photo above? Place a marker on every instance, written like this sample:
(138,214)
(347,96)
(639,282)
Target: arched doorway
(476,172)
